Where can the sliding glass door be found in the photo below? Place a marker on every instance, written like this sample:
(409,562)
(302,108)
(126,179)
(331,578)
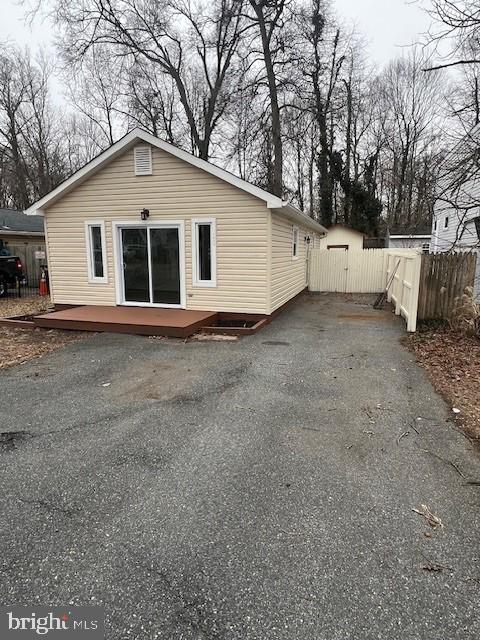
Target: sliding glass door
(151,265)
(135,265)
(165,266)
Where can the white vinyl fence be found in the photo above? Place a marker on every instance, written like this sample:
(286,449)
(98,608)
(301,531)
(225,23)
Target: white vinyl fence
(403,272)
(342,271)
(369,271)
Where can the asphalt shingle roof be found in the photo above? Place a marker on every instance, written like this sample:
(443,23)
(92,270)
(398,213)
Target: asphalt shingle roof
(11,220)
(420,230)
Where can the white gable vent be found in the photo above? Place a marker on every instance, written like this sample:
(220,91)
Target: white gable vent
(143,161)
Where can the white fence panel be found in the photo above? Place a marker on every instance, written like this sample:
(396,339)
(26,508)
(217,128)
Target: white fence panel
(328,270)
(366,271)
(341,271)
(404,288)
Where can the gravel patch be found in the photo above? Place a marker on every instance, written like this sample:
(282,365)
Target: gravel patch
(11,307)
(17,346)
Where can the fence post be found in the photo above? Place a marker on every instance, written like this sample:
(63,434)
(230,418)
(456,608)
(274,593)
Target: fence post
(399,292)
(414,293)
(389,272)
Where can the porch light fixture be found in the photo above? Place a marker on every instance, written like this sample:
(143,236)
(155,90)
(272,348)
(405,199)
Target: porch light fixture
(144,214)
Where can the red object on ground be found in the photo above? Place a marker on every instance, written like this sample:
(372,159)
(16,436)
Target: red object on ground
(43,289)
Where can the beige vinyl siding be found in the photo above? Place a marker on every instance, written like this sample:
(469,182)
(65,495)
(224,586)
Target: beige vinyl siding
(339,236)
(288,276)
(177,191)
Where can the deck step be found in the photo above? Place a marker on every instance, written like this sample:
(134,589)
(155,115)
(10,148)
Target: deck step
(147,321)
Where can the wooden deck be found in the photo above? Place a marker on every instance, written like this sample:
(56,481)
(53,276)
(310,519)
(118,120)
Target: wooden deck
(146,321)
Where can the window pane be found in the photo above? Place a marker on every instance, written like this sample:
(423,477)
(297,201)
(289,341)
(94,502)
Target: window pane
(135,265)
(164,251)
(204,252)
(97,253)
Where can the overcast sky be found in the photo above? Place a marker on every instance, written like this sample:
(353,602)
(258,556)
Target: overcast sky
(388,25)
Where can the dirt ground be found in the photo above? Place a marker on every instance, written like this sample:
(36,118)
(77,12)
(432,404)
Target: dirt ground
(20,345)
(452,361)
(10,307)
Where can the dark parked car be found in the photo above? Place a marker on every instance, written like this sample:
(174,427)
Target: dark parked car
(11,272)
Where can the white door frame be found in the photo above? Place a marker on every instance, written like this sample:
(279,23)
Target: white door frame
(117,227)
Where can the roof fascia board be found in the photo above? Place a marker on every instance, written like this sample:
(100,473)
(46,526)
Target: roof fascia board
(413,236)
(9,232)
(300,218)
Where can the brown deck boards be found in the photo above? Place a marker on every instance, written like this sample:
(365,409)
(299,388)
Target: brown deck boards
(137,320)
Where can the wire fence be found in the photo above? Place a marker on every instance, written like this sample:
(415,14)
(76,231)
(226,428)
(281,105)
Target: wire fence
(21,289)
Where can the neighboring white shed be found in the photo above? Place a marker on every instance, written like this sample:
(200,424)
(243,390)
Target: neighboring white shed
(400,238)
(341,237)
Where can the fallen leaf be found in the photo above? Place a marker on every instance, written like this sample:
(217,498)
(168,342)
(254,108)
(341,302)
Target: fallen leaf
(433,520)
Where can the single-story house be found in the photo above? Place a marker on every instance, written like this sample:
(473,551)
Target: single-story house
(146,224)
(23,236)
(341,237)
(408,238)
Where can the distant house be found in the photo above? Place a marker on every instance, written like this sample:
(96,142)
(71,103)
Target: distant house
(23,236)
(408,238)
(341,237)
(456,219)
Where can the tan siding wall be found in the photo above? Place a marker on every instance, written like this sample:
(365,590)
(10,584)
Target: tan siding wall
(288,275)
(338,235)
(175,191)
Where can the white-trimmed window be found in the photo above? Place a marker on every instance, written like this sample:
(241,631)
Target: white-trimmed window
(445,222)
(204,252)
(96,251)
(294,243)
(435,224)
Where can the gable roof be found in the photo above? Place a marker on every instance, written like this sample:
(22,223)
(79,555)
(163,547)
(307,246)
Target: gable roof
(271,201)
(16,222)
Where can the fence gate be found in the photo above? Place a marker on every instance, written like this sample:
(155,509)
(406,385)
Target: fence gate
(328,270)
(342,271)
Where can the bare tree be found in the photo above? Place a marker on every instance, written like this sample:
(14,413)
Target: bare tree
(411,100)
(96,91)
(456,25)
(151,103)
(13,97)
(32,152)
(193,44)
(321,65)
(269,17)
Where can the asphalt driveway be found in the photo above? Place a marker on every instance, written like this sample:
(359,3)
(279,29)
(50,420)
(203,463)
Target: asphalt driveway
(253,490)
